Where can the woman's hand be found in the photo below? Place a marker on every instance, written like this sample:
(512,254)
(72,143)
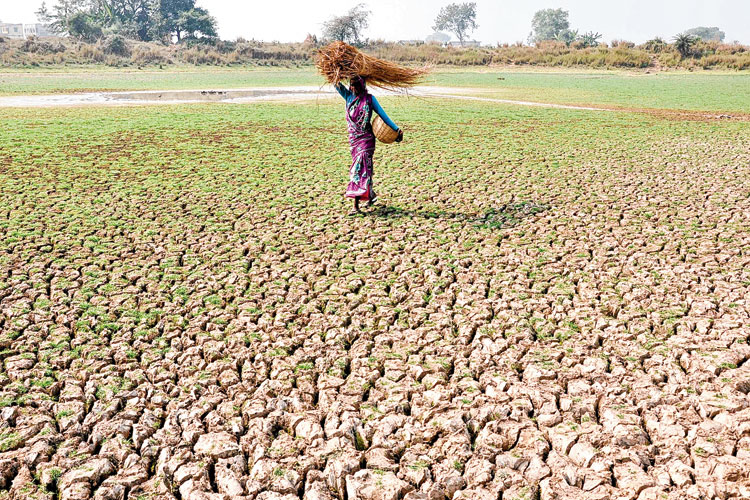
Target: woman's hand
(400,136)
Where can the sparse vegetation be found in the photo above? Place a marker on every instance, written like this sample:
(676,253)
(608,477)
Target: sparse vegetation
(684,43)
(586,52)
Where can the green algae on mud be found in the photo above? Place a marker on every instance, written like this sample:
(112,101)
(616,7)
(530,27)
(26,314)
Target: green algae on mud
(532,277)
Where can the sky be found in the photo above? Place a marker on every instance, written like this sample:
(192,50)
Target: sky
(499,21)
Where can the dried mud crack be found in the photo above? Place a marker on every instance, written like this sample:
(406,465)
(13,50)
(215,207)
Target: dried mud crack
(535,311)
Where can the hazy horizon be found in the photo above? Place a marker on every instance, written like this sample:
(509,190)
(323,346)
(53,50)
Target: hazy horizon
(499,21)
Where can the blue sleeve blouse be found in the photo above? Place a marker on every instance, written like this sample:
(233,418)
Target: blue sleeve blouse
(348,95)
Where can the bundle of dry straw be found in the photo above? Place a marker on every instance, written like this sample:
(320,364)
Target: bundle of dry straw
(340,61)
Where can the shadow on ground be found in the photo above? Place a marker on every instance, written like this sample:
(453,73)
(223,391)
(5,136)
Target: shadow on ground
(494,218)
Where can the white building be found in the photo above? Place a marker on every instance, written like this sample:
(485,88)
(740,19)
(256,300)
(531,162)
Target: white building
(37,29)
(467,43)
(21,31)
(11,30)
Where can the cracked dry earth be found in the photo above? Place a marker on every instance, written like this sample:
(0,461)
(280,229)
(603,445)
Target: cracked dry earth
(548,304)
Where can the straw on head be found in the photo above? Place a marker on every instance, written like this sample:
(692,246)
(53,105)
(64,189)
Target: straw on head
(340,61)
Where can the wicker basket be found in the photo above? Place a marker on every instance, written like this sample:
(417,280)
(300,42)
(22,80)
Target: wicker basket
(383,132)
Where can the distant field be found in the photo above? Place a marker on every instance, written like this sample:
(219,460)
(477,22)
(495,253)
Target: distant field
(702,91)
(727,92)
(82,79)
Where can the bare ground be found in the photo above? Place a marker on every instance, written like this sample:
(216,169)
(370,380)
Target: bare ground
(312,363)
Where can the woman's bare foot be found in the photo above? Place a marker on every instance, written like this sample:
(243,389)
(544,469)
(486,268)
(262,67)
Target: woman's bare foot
(372,201)
(356,209)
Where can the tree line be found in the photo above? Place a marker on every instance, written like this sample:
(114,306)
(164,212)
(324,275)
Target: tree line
(178,20)
(146,20)
(460,19)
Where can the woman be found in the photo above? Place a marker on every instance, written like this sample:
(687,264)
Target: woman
(359,107)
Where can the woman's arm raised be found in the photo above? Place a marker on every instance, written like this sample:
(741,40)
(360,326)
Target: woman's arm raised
(343,91)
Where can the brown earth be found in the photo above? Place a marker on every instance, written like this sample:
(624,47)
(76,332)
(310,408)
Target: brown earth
(309,362)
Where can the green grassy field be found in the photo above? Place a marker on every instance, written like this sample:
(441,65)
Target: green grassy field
(84,79)
(530,278)
(703,91)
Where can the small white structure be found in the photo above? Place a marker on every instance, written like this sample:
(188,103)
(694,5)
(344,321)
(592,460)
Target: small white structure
(438,37)
(21,31)
(37,29)
(467,43)
(11,30)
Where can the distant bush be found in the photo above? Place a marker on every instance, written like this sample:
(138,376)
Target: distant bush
(655,45)
(685,44)
(670,59)
(84,27)
(91,52)
(115,50)
(547,53)
(150,54)
(202,55)
(621,44)
(116,45)
(734,48)
(38,46)
(728,61)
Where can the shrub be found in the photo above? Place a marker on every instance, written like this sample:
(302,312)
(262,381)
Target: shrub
(82,26)
(684,44)
(115,45)
(36,46)
(734,48)
(655,45)
(670,59)
(150,54)
(551,45)
(90,52)
(622,44)
(115,50)
(727,61)
(202,55)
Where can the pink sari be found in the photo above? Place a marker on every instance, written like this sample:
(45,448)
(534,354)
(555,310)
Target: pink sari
(362,143)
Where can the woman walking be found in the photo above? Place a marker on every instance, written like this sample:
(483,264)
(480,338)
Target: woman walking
(359,107)
(339,61)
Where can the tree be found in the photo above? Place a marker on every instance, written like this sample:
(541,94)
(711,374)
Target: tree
(130,18)
(349,27)
(459,19)
(589,39)
(196,23)
(551,24)
(138,19)
(83,26)
(707,34)
(181,18)
(59,17)
(684,44)
(567,36)
(655,45)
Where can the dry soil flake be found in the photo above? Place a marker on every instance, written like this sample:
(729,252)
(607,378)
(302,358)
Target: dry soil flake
(217,445)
